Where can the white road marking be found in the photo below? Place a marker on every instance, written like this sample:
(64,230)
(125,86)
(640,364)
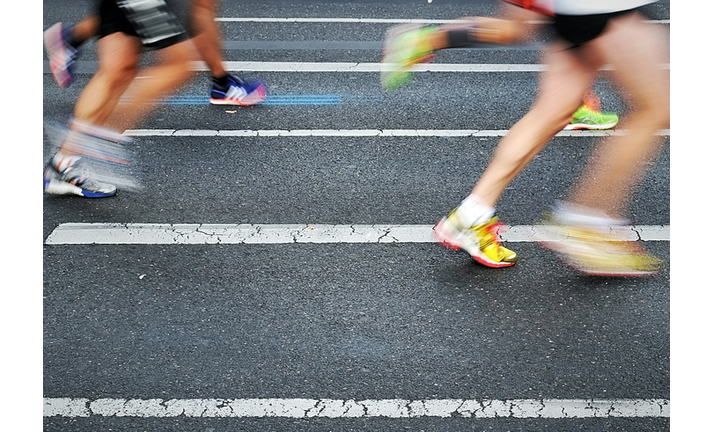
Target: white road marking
(293,67)
(349,20)
(145,233)
(372,20)
(363,132)
(350,408)
(255,66)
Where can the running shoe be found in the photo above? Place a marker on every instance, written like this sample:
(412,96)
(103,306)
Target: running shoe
(480,241)
(238,92)
(403,49)
(73,180)
(597,253)
(588,118)
(62,55)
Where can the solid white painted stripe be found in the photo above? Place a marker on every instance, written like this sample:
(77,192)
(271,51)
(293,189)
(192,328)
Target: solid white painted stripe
(241,66)
(140,233)
(347,20)
(350,408)
(373,20)
(363,132)
(255,66)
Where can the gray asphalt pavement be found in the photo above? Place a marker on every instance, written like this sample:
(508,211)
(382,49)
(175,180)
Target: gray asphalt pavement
(342,321)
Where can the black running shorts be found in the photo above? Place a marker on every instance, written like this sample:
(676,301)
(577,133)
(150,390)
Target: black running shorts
(579,29)
(158,23)
(574,29)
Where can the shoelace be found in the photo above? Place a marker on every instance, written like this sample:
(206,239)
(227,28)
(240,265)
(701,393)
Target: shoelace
(83,173)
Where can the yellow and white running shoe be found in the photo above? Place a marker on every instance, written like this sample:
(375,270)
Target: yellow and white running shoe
(480,241)
(597,253)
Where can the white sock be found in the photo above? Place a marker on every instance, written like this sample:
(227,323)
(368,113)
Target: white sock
(568,213)
(472,211)
(87,128)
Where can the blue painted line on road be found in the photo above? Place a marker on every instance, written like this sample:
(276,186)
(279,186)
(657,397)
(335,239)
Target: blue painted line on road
(317,99)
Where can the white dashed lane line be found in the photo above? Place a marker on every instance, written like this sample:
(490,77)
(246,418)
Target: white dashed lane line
(340,408)
(145,233)
(362,132)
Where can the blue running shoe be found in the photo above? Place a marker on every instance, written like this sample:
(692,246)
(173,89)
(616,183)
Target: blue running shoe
(238,92)
(62,55)
(73,181)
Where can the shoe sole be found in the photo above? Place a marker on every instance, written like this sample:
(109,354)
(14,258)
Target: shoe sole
(583,126)
(55,187)
(54,46)
(605,273)
(444,240)
(545,239)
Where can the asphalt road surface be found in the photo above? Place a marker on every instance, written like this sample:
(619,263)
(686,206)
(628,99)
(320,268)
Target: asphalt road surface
(165,330)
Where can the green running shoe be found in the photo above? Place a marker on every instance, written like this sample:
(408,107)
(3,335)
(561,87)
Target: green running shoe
(588,118)
(404,48)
